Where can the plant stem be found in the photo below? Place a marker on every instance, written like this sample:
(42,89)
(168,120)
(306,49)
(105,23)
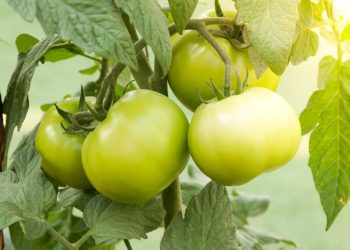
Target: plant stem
(103,72)
(2,145)
(335,29)
(82,240)
(191,25)
(144,72)
(159,82)
(172,201)
(226,59)
(61,239)
(127,244)
(110,79)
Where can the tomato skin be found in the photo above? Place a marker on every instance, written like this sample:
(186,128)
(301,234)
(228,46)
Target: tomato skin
(195,63)
(139,149)
(235,139)
(61,152)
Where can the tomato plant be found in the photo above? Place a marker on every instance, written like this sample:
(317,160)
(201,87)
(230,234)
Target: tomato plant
(237,138)
(118,161)
(195,64)
(60,151)
(139,149)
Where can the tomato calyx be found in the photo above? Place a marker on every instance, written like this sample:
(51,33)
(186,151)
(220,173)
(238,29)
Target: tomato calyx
(220,95)
(83,121)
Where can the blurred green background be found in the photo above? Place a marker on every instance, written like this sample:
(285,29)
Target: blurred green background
(295,211)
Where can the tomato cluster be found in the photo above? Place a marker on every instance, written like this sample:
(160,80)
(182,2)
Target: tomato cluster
(136,152)
(145,140)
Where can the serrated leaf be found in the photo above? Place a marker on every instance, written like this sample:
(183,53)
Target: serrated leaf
(259,65)
(306,45)
(71,197)
(329,110)
(327,71)
(153,26)
(16,102)
(208,223)
(182,11)
(25,8)
(109,220)
(305,13)
(271,25)
(188,190)
(25,42)
(248,205)
(95,26)
(252,238)
(29,197)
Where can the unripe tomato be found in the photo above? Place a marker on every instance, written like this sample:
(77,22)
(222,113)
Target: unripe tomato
(237,138)
(195,63)
(139,149)
(61,152)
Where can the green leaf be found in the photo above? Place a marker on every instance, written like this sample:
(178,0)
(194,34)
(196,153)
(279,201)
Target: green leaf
(71,197)
(153,26)
(182,11)
(89,71)
(25,42)
(26,8)
(327,71)
(345,35)
(109,220)
(16,102)
(208,223)
(188,190)
(259,65)
(56,55)
(271,26)
(29,196)
(305,46)
(95,26)
(328,114)
(305,13)
(63,222)
(248,205)
(252,238)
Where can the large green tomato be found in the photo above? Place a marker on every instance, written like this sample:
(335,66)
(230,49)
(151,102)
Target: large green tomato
(139,149)
(195,63)
(235,139)
(61,152)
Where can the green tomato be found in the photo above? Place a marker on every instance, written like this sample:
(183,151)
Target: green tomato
(195,63)
(139,149)
(61,152)
(235,139)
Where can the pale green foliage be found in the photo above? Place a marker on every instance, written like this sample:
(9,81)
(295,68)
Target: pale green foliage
(152,24)
(271,27)
(328,114)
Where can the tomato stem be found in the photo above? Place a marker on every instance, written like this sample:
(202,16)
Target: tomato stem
(109,80)
(144,72)
(82,240)
(333,25)
(226,59)
(172,201)
(61,239)
(127,244)
(103,72)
